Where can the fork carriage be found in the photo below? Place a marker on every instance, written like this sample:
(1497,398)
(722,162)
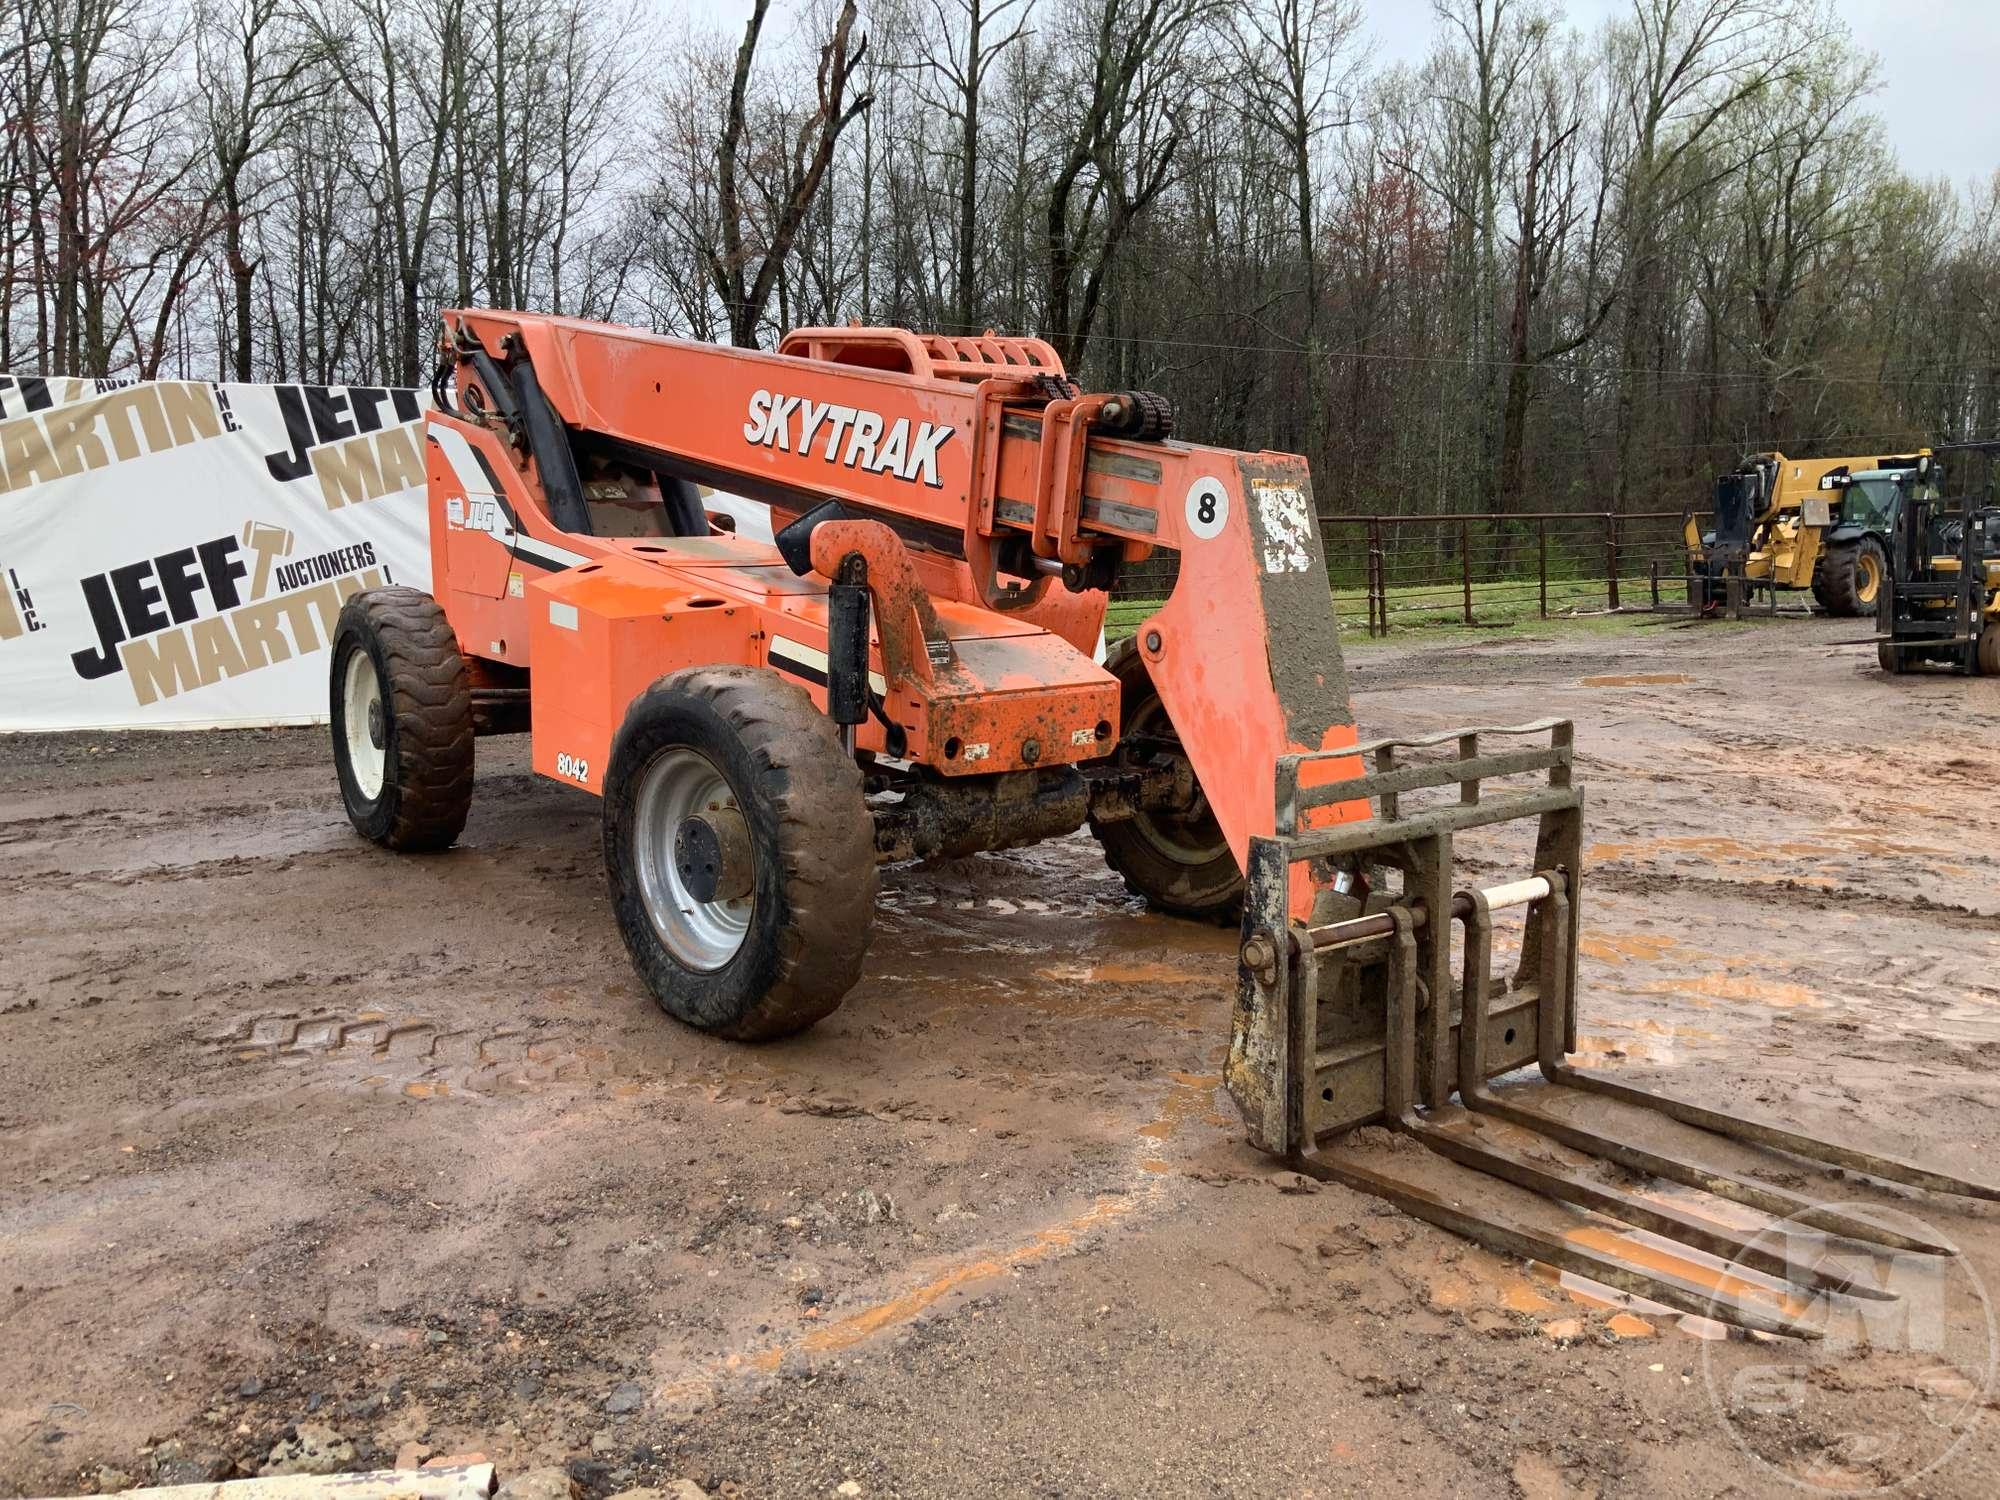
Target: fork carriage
(1360,1020)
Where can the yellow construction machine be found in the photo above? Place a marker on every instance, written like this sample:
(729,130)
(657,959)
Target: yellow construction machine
(1942,604)
(1799,523)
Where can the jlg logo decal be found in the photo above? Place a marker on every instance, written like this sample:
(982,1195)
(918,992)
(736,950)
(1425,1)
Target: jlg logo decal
(853,437)
(575,767)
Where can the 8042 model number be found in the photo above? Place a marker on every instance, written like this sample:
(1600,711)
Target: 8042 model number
(575,767)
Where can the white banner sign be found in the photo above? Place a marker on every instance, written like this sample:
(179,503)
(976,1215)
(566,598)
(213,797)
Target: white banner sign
(173,554)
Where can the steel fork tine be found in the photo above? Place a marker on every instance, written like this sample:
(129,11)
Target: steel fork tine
(1661,1219)
(1556,1068)
(1475,988)
(1777,1137)
(1668,1222)
(1777,1202)
(1504,1236)
(1494,1230)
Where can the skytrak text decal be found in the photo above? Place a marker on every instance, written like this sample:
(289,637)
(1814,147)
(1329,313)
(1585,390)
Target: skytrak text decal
(854,437)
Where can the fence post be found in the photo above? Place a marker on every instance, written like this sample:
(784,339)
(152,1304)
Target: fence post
(1611,557)
(1465,564)
(1542,570)
(1378,590)
(1655,573)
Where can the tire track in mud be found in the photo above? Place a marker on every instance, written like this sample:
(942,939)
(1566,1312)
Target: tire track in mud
(372,1051)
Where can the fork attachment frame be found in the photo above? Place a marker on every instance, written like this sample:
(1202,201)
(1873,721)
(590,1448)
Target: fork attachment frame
(1360,1020)
(1310,1052)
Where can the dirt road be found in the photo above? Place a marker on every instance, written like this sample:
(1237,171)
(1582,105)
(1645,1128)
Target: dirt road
(298,1130)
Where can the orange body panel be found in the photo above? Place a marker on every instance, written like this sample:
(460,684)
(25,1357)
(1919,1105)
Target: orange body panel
(946,452)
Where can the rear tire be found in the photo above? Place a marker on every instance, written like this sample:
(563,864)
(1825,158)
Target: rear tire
(401,708)
(1851,577)
(765,939)
(1180,864)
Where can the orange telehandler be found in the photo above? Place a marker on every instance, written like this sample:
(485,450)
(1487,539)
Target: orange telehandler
(906,670)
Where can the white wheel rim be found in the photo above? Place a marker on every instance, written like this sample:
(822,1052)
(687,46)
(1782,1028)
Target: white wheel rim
(365,724)
(676,784)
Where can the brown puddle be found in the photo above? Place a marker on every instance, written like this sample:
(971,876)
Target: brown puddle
(1592,1051)
(1712,987)
(1466,1286)
(1638,679)
(1595,1049)
(1615,948)
(1191,1096)
(1722,851)
(1071,993)
(1482,1282)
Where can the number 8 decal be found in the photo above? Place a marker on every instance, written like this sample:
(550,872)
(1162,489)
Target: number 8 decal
(1207,508)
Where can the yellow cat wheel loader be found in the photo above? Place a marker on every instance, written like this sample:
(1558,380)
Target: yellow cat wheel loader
(906,670)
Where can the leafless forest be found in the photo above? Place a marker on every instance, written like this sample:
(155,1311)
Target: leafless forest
(1544,269)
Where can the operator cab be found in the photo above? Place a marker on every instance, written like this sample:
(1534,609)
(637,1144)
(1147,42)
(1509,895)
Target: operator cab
(624,500)
(1871,498)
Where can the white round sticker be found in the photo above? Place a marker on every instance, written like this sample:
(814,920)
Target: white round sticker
(1207,508)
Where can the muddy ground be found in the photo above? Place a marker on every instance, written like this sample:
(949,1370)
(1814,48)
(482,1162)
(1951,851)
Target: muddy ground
(298,1130)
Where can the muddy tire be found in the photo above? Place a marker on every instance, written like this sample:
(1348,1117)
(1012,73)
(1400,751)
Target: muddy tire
(401,706)
(1889,659)
(1988,659)
(1180,863)
(1851,577)
(740,852)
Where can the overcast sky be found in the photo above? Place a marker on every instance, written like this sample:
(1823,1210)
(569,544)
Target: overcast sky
(1940,66)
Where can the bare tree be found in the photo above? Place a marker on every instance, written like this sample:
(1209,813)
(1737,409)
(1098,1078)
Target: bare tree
(1683,69)
(1129,77)
(969,37)
(1292,57)
(746,292)
(387,56)
(254,67)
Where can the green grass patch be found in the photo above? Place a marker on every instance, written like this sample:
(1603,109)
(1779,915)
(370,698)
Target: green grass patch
(1427,608)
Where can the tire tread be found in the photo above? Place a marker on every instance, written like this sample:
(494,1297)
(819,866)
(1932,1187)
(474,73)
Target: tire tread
(826,839)
(429,692)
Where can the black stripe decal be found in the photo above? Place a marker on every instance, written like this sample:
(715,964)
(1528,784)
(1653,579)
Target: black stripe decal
(528,552)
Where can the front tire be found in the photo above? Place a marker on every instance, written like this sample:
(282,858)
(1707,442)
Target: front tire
(1888,658)
(1852,577)
(740,852)
(1989,650)
(401,710)
(1179,862)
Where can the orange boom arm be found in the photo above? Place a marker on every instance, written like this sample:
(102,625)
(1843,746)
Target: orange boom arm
(1002,502)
